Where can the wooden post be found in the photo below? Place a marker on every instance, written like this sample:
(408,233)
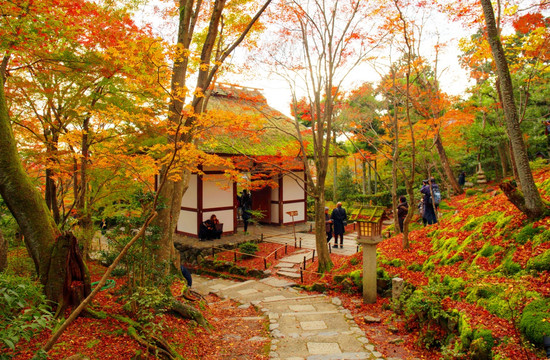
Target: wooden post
(275,254)
(304,262)
(293,214)
(301,275)
(265,264)
(286,248)
(235,255)
(313,257)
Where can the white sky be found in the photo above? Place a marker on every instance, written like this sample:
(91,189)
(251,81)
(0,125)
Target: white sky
(453,79)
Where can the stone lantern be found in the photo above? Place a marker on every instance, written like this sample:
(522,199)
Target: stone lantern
(369,234)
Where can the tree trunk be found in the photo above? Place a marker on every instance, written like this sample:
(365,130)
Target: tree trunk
(534,206)
(503,160)
(446,167)
(325,263)
(29,209)
(363,177)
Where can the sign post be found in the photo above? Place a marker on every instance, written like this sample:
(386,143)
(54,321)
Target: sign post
(293,214)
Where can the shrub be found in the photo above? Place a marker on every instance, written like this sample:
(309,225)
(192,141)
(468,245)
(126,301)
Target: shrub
(248,248)
(23,311)
(534,322)
(471,192)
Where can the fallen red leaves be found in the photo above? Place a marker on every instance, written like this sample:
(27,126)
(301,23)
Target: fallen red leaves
(108,339)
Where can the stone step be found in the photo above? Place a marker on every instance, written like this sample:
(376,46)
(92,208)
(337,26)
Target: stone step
(289,274)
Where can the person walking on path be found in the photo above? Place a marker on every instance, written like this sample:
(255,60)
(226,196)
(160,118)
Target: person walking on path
(328,225)
(430,205)
(402,211)
(339,218)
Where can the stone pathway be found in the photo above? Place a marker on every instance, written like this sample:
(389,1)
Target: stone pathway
(302,326)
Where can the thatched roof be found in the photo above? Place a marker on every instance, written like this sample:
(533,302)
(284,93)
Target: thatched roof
(270,132)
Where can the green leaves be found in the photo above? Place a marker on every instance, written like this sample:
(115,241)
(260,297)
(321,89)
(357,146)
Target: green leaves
(23,311)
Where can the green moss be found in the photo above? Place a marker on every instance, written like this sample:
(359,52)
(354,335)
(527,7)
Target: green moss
(527,232)
(540,263)
(357,277)
(489,250)
(534,322)
(415,267)
(509,267)
(471,192)
(541,238)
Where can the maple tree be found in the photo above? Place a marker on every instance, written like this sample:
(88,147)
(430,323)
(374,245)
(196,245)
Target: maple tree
(209,46)
(530,202)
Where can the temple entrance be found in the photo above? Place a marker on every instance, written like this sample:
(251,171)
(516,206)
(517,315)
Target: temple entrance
(261,201)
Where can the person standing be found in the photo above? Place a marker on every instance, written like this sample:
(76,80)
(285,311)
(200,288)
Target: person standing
(328,225)
(246,204)
(339,219)
(462,178)
(430,206)
(402,211)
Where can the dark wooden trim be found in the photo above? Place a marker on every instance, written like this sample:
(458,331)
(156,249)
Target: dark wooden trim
(281,193)
(197,236)
(305,196)
(199,200)
(221,208)
(293,201)
(189,209)
(213,172)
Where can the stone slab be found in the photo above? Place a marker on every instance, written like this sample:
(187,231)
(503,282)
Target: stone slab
(298,258)
(315,348)
(274,298)
(301,308)
(285,265)
(247,291)
(289,274)
(275,282)
(313,325)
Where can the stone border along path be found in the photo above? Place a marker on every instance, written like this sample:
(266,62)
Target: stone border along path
(302,326)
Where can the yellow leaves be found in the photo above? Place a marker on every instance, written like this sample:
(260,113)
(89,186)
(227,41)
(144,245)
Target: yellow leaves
(510,10)
(204,67)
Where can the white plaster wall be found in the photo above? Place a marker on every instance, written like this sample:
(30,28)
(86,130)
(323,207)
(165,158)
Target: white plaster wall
(189,199)
(187,222)
(275,213)
(224,216)
(291,189)
(275,192)
(293,207)
(217,191)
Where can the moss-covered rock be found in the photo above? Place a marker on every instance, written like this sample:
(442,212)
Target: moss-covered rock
(534,322)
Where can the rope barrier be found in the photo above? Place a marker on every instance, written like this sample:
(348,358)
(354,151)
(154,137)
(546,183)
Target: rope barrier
(110,283)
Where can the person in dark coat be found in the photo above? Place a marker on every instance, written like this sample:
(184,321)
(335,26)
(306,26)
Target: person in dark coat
(462,178)
(246,204)
(402,211)
(328,225)
(429,206)
(339,217)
